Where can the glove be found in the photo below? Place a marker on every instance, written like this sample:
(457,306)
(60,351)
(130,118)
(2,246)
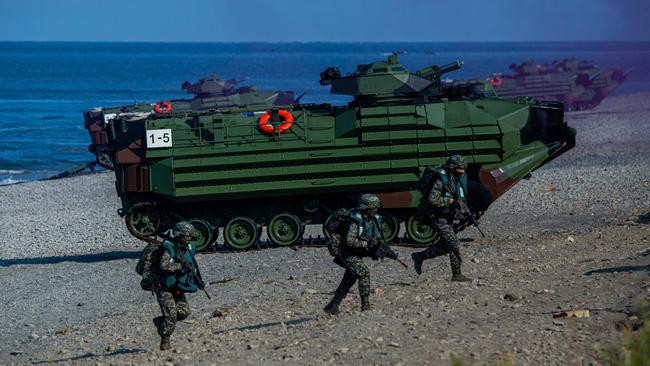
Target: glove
(372,244)
(455,204)
(186,268)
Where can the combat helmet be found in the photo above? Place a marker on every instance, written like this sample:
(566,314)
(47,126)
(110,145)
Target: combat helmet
(456,161)
(369,201)
(184,228)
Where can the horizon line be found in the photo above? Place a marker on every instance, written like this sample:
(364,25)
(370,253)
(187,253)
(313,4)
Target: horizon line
(324,42)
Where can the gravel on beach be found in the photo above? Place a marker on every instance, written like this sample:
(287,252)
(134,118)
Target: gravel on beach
(568,238)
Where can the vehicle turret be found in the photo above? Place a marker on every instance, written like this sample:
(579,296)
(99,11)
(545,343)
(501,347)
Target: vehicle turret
(214,86)
(388,82)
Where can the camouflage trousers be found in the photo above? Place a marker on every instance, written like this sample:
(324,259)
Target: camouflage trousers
(355,270)
(447,243)
(174,307)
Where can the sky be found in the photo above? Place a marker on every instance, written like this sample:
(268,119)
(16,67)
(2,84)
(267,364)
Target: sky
(324,21)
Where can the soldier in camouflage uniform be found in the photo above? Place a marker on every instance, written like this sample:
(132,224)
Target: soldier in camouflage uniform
(176,264)
(363,233)
(441,206)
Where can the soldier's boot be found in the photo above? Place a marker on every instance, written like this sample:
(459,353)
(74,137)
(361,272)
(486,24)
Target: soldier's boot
(456,262)
(365,303)
(460,278)
(165,343)
(457,276)
(417,262)
(333,307)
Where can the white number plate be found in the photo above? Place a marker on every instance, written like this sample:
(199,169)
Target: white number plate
(159,138)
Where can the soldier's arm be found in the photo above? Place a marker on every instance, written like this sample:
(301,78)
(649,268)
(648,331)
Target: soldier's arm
(436,197)
(168,264)
(352,238)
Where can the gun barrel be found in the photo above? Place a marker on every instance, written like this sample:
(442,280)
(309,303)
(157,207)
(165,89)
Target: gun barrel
(432,72)
(450,67)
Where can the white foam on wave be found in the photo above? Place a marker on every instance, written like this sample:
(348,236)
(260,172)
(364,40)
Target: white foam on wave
(8,181)
(12,171)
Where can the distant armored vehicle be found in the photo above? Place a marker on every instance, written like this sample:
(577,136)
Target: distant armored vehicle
(210,93)
(578,84)
(233,172)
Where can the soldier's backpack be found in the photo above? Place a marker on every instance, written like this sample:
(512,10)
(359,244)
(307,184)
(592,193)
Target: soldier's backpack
(149,266)
(427,178)
(337,227)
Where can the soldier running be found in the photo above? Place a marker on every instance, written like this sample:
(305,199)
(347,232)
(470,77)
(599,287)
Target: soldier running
(361,240)
(179,276)
(441,206)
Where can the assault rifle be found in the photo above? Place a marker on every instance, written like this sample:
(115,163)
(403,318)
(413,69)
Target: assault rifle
(195,273)
(469,216)
(465,211)
(381,250)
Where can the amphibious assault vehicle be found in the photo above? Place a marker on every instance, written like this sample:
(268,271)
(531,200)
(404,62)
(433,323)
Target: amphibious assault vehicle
(233,172)
(210,93)
(577,84)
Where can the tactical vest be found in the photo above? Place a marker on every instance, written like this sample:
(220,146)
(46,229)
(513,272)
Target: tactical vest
(367,229)
(459,189)
(179,280)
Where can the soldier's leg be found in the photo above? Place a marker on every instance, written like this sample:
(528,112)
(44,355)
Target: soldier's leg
(450,242)
(436,249)
(347,282)
(182,307)
(167,322)
(361,271)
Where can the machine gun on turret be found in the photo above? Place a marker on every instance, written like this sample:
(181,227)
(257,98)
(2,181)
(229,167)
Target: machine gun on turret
(435,71)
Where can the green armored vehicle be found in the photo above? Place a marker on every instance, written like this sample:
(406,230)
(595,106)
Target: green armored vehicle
(577,84)
(236,171)
(209,93)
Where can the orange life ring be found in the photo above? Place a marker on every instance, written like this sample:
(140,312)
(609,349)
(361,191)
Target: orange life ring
(496,81)
(263,122)
(163,107)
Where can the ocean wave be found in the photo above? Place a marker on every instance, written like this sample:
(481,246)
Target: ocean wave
(14,171)
(8,181)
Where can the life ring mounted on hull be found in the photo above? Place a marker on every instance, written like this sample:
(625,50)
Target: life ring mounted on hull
(264,125)
(496,81)
(162,107)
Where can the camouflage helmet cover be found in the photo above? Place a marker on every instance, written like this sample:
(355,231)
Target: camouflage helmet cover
(369,201)
(456,161)
(184,228)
